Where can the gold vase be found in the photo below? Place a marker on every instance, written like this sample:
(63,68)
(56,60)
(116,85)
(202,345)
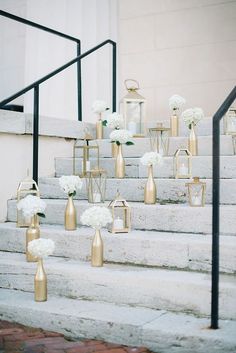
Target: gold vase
(174,125)
(40,283)
(150,191)
(97,250)
(192,141)
(32,233)
(114,149)
(70,214)
(120,164)
(99,129)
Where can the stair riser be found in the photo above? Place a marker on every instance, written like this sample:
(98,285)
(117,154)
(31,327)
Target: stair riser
(168,190)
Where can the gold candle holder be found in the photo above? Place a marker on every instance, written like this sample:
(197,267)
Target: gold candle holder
(192,141)
(70,214)
(99,129)
(32,233)
(114,149)
(97,250)
(174,125)
(120,164)
(40,283)
(150,192)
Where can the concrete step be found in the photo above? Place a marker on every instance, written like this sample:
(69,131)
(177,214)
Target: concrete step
(145,248)
(168,218)
(142,145)
(168,190)
(201,166)
(159,330)
(144,287)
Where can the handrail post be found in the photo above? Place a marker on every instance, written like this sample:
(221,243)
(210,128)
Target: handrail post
(36,134)
(113,77)
(79,84)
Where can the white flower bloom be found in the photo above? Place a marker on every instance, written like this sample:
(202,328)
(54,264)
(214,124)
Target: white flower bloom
(70,183)
(121,136)
(99,106)
(31,205)
(96,217)
(151,158)
(176,102)
(192,116)
(41,247)
(115,121)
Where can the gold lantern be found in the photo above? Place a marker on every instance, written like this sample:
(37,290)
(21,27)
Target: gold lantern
(87,157)
(26,187)
(159,139)
(120,214)
(133,106)
(196,192)
(230,121)
(182,164)
(96,185)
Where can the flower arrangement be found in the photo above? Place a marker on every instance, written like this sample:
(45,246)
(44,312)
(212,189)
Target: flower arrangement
(151,158)
(192,116)
(121,137)
(99,106)
(96,217)
(114,121)
(70,183)
(176,102)
(41,247)
(31,206)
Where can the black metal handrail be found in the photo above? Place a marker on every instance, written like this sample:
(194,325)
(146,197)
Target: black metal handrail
(60,34)
(216,207)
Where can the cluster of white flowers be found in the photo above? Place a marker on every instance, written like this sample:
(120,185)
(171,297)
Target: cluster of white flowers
(121,136)
(176,102)
(192,116)
(115,121)
(31,205)
(99,106)
(96,217)
(70,183)
(41,247)
(151,158)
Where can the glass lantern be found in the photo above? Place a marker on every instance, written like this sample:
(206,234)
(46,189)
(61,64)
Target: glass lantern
(96,185)
(26,187)
(120,214)
(159,139)
(183,164)
(230,121)
(85,156)
(133,106)
(196,192)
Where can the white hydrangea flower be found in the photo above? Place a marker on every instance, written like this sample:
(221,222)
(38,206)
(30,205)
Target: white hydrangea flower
(151,158)
(41,247)
(70,183)
(31,206)
(96,217)
(99,106)
(115,121)
(192,116)
(121,136)
(176,102)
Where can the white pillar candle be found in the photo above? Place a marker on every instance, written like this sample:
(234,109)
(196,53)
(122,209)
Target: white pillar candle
(87,166)
(118,223)
(183,170)
(96,197)
(196,200)
(132,127)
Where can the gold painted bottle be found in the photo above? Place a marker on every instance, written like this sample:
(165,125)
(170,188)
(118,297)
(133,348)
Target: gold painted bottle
(174,124)
(150,191)
(120,164)
(32,233)
(40,283)
(192,141)
(114,149)
(97,250)
(70,214)
(99,129)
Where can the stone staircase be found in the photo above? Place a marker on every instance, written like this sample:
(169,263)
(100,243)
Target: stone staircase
(154,289)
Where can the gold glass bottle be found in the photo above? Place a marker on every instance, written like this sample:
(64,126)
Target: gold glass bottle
(120,164)
(192,141)
(150,191)
(32,233)
(40,283)
(174,124)
(97,250)
(114,149)
(99,129)
(70,214)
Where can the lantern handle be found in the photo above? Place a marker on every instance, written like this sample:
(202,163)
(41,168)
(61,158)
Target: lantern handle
(132,87)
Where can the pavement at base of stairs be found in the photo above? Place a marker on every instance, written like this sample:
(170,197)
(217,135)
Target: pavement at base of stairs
(16,338)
